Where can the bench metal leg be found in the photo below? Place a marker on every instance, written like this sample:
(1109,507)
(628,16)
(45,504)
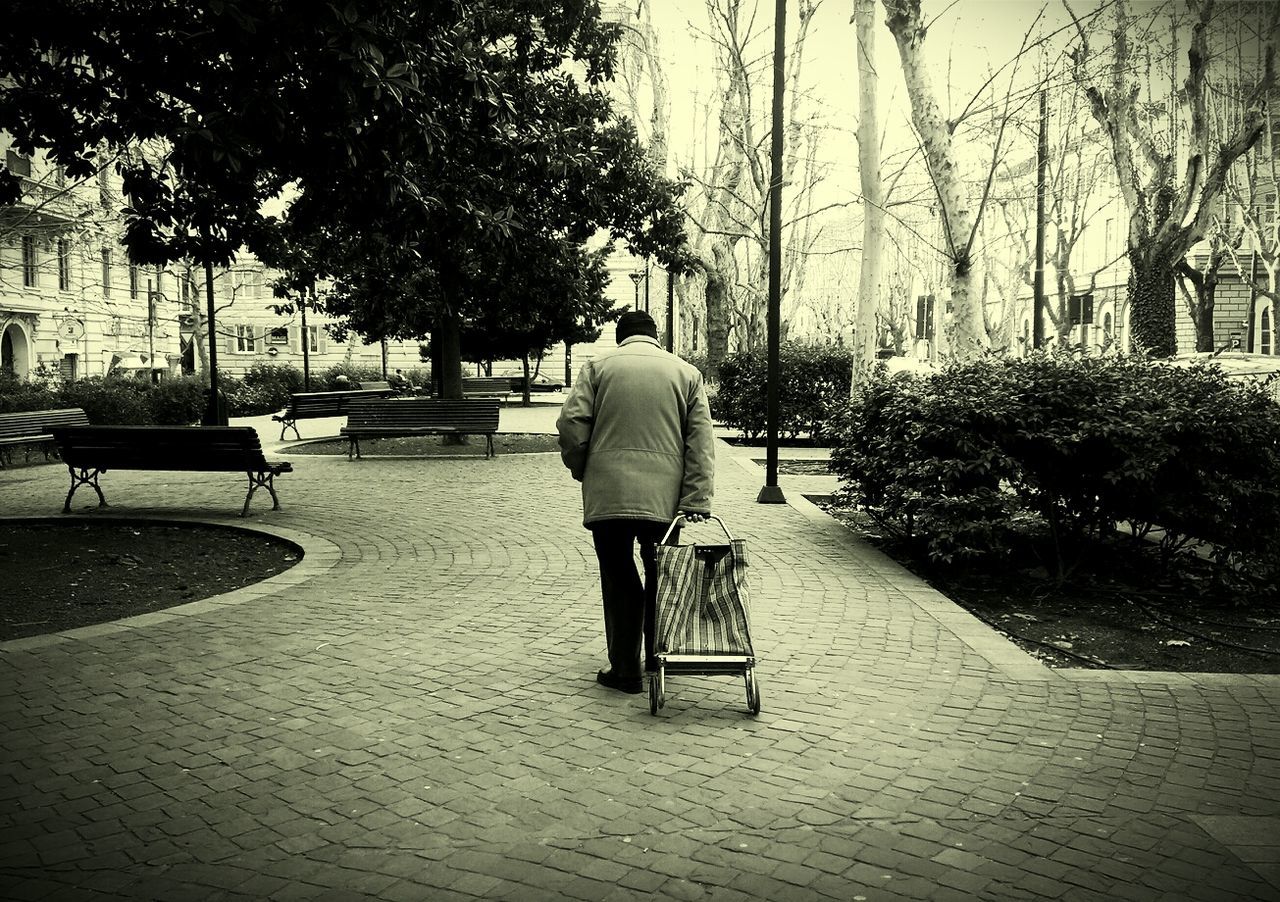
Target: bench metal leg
(266,481)
(290,424)
(84,477)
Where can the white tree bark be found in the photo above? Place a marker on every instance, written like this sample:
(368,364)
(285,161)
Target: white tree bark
(904,20)
(868,134)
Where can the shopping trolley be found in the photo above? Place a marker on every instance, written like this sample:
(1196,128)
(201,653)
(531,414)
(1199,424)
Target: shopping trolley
(703,619)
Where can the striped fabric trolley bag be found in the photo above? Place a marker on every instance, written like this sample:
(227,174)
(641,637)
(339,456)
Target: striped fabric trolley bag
(703,614)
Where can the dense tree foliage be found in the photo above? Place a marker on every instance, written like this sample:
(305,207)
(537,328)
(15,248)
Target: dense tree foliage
(429,147)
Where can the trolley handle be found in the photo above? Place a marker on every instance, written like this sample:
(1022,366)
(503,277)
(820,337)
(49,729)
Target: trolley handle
(680,517)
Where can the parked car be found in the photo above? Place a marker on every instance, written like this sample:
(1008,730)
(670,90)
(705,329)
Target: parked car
(541,382)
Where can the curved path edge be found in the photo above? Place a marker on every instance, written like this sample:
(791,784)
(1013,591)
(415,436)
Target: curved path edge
(319,556)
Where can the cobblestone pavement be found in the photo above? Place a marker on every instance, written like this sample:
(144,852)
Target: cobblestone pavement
(410,713)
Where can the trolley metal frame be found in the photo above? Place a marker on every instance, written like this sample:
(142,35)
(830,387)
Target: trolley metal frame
(702,665)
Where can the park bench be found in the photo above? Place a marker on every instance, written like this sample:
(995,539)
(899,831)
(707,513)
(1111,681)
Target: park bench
(31,427)
(487,387)
(400,417)
(89,451)
(384,387)
(317,404)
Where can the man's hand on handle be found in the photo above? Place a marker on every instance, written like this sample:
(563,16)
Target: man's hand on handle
(694,516)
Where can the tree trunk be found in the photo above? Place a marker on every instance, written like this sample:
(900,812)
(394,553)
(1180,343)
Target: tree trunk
(448,337)
(1152,304)
(718,309)
(1201,299)
(969,336)
(864,334)
(202,353)
(524,394)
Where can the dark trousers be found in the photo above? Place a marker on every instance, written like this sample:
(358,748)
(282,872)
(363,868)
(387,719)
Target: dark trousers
(630,605)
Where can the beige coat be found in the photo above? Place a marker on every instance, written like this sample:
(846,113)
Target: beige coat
(636,431)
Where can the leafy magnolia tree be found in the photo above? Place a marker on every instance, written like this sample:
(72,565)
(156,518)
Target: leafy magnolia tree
(229,102)
(1168,213)
(505,196)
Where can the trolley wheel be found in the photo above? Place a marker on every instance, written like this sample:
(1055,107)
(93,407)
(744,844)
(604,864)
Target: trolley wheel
(655,692)
(753,690)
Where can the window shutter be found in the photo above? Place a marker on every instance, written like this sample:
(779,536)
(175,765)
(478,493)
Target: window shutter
(295,345)
(323,340)
(230,340)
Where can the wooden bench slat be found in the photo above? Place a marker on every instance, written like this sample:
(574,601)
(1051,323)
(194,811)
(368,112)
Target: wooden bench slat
(393,417)
(31,427)
(315,405)
(97,449)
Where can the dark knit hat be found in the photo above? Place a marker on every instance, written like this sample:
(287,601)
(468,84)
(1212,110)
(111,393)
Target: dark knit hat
(636,322)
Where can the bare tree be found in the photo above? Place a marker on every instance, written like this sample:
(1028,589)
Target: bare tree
(960,218)
(729,209)
(1250,218)
(865,332)
(1167,214)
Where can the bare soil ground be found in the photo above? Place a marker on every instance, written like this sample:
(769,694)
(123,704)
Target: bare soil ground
(1122,614)
(59,575)
(62,575)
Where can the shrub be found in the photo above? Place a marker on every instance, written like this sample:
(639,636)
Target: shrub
(246,400)
(814,382)
(108,400)
(176,402)
(327,381)
(269,385)
(960,459)
(17,395)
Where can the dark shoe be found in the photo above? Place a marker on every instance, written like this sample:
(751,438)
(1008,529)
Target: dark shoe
(629,685)
(650,665)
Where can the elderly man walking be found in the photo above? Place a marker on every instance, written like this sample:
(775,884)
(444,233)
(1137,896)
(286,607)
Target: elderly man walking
(635,430)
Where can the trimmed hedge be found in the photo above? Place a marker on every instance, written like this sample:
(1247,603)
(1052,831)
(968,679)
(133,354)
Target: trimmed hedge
(814,383)
(961,460)
(112,400)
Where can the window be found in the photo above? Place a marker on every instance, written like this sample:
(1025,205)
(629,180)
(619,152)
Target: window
(1108,242)
(313,338)
(29,271)
(59,176)
(64,265)
(277,337)
(106,272)
(1264,332)
(18,164)
(1106,324)
(1269,208)
(133,281)
(244,340)
(104,186)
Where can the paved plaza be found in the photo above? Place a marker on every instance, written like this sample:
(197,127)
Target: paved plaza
(411,714)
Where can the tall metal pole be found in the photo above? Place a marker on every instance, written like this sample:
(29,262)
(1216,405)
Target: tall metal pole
(306,338)
(1042,163)
(771,493)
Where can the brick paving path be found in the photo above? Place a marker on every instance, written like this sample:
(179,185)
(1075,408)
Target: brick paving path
(411,714)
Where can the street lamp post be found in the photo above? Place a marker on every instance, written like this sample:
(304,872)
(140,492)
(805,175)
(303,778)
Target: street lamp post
(771,492)
(635,280)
